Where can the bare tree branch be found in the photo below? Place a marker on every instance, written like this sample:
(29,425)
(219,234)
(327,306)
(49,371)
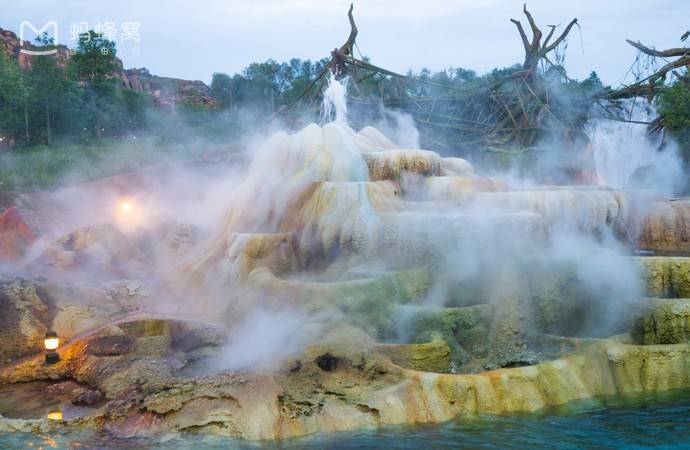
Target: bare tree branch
(525,41)
(548,36)
(536,32)
(347,47)
(560,38)
(671,52)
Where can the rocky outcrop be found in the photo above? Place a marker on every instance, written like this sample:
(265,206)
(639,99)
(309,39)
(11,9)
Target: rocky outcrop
(666,277)
(15,235)
(346,382)
(668,322)
(24,320)
(13,45)
(98,246)
(422,291)
(166,92)
(392,164)
(666,227)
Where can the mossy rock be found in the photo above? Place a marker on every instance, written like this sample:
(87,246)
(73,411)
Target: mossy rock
(666,276)
(434,356)
(559,303)
(465,330)
(668,322)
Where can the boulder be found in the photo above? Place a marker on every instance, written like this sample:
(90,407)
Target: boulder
(15,235)
(110,345)
(88,398)
(24,320)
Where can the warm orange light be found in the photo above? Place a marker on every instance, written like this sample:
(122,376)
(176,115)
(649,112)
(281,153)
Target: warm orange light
(129,213)
(55,415)
(126,206)
(51,342)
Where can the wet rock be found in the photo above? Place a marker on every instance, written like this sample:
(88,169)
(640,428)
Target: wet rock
(668,322)
(432,356)
(67,388)
(589,209)
(666,276)
(392,164)
(465,331)
(511,326)
(188,336)
(110,345)
(102,246)
(24,319)
(88,398)
(455,188)
(366,302)
(666,227)
(457,167)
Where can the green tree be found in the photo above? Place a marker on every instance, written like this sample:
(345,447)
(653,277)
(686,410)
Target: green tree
(51,86)
(221,90)
(95,64)
(592,84)
(11,97)
(674,104)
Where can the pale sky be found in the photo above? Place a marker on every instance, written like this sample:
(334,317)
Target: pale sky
(193,38)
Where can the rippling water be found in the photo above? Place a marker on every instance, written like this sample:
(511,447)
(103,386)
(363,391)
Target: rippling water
(662,426)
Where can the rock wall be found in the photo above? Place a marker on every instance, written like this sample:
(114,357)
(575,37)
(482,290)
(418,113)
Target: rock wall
(166,92)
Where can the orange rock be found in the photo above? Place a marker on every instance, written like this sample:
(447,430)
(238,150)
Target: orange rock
(15,235)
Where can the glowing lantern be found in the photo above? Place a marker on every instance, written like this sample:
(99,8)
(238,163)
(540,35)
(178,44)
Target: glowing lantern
(128,214)
(55,415)
(51,342)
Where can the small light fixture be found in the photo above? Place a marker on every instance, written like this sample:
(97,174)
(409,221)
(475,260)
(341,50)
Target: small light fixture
(55,415)
(52,342)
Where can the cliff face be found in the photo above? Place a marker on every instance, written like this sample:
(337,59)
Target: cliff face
(166,92)
(12,46)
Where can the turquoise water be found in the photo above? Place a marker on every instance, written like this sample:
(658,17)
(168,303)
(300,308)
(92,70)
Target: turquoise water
(661,426)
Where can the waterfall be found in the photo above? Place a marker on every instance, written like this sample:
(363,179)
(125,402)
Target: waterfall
(335,101)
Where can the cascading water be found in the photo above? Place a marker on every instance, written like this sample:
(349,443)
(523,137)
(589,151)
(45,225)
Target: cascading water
(328,235)
(627,156)
(335,101)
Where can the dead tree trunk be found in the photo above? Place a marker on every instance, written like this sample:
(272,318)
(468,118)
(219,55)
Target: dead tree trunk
(649,86)
(536,50)
(347,49)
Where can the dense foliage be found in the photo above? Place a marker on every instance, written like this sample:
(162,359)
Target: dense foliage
(77,101)
(62,111)
(264,87)
(674,104)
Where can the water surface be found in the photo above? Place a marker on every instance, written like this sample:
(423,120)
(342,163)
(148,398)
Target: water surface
(664,426)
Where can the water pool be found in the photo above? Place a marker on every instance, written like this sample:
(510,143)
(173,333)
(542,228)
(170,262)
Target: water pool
(665,426)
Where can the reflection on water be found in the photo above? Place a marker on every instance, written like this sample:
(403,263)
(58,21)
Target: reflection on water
(662,426)
(38,399)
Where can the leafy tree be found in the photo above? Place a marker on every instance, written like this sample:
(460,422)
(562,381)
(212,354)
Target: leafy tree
(221,90)
(674,103)
(11,97)
(592,84)
(95,64)
(52,89)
